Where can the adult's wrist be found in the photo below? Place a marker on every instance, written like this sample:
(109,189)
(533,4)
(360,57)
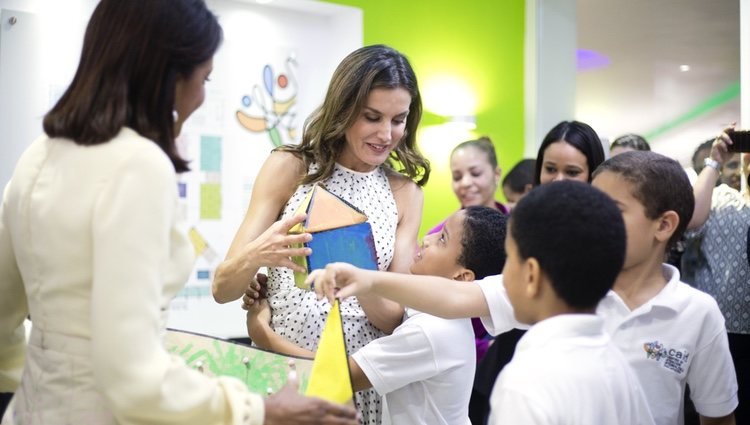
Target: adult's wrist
(712,163)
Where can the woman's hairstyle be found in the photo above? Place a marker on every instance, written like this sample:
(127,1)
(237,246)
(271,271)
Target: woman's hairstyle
(632,141)
(483,242)
(133,53)
(484,144)
(577,134)
(365,69)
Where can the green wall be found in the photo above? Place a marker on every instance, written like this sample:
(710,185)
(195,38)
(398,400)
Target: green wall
(475,43)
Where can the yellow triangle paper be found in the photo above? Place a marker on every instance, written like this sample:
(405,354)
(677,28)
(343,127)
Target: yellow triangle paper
(330,378)
(302,208)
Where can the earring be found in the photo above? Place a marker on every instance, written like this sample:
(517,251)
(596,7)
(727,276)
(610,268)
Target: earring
(175,115)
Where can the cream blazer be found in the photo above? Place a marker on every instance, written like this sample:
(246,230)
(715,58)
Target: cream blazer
(91,249)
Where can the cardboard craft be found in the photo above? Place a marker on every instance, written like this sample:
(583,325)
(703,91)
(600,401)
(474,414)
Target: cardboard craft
(340,233)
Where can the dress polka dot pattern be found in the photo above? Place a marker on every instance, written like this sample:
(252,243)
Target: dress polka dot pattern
(297,315)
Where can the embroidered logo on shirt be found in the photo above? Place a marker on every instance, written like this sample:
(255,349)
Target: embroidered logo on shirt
(671,358)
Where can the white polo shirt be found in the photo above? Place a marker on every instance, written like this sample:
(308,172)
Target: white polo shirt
(566,370)
(677,337)
(424,370)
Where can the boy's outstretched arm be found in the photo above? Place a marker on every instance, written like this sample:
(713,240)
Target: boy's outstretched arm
(259,330)
(430,294)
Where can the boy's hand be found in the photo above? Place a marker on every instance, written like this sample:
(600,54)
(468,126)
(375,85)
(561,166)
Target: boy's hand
(256,289)
(350,279)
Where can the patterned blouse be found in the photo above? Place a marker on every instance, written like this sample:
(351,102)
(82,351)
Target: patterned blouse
(721,268)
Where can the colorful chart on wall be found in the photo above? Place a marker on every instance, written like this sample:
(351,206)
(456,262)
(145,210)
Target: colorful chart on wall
(270,73)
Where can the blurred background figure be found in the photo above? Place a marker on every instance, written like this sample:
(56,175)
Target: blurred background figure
(519,181)
(716,253)
(628,142)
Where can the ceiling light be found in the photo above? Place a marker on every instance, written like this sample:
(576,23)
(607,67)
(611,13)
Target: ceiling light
(684,68)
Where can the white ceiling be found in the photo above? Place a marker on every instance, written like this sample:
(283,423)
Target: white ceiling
(642,89)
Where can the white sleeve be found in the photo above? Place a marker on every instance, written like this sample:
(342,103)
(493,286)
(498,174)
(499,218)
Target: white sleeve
(399,359)
(711,377)
(131,245)
(13,307)
(501,318)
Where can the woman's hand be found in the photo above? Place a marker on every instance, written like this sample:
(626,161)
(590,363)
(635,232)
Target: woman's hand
(288,406)
(720,148)
(276,246)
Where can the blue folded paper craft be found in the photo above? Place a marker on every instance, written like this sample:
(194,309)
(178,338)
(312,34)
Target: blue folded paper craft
(340,232)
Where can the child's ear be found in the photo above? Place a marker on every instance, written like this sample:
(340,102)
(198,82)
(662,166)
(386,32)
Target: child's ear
(527,188)
(668,223)
(532,277)
(464,275)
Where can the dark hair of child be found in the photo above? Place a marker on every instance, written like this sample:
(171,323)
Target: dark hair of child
(632,141)
(658,182)
(520,175)
(577,234)
(483,243)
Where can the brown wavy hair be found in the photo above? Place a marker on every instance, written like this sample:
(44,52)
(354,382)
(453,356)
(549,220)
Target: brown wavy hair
(365,69)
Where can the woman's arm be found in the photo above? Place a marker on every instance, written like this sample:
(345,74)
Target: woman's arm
(142,383)
(259,241)
(384,313)
(13,310)
(133,242)
(704,185)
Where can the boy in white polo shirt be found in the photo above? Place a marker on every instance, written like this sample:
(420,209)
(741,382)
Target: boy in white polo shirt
(425,369)
(670,333)
(565,369)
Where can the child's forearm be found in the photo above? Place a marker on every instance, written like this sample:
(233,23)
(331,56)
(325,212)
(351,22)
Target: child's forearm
(385,314)
(264,337)
(430,294)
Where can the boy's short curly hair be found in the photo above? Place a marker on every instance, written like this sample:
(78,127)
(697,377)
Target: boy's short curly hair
(483,243)
(658,182)
(577,234)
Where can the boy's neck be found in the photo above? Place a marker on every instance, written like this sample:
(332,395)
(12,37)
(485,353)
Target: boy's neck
(636,285)
(557,307)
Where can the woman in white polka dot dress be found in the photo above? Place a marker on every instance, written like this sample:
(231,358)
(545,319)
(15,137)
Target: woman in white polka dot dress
(369,117)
